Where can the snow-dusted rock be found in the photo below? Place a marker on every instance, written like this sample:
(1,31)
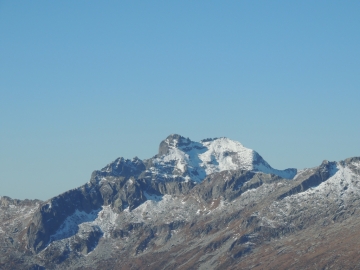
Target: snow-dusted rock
(211,204)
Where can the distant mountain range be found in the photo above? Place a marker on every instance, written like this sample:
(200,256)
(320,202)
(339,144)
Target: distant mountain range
(212,204)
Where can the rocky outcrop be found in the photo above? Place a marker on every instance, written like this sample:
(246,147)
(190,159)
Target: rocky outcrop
(173,141)
(51,214)
(231,184)
(312,178)
(87,241)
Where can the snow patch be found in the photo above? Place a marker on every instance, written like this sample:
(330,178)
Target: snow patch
(106,220)
(71,224)
(80,222)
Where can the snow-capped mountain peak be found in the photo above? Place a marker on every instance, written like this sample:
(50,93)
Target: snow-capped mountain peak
(137,208)
(180,157)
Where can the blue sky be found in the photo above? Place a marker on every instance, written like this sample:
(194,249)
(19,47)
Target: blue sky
(84,82)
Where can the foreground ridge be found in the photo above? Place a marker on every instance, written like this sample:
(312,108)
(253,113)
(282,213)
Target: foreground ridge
(213,204)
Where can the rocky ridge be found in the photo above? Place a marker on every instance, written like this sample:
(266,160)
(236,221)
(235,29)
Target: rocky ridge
(212,204)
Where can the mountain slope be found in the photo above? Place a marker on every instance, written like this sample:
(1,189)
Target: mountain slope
(212,204)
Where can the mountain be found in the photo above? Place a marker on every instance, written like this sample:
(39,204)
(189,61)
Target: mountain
(212,204)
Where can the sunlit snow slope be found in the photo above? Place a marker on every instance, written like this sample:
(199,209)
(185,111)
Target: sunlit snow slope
(181,157)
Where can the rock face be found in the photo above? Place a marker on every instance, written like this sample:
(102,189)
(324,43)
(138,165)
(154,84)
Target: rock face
(212,204)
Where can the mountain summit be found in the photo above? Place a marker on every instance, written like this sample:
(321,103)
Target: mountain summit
(195,160)
(185,160)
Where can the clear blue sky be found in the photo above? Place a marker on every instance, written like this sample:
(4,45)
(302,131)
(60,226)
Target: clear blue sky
(84,82)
